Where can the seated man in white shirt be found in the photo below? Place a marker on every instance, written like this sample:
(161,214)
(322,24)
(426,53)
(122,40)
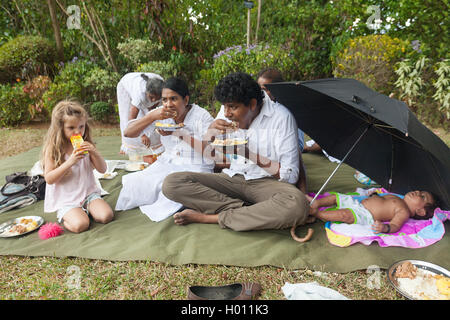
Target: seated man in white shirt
(257,189)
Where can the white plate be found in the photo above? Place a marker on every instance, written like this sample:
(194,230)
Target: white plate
(6,226)
(168,126)
(136,166)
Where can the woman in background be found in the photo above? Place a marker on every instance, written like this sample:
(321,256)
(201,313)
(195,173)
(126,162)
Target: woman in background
(137,94)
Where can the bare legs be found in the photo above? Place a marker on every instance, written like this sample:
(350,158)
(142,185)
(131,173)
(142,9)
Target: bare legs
(342,215)
(76,220)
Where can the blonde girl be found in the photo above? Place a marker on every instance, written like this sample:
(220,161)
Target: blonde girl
(71,189)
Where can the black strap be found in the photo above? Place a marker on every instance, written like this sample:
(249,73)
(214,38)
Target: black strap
(32,185)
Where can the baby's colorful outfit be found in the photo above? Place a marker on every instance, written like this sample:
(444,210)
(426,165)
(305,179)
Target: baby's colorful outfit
(360,213)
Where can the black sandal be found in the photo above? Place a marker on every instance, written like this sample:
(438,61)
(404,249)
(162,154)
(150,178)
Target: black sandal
(235,291)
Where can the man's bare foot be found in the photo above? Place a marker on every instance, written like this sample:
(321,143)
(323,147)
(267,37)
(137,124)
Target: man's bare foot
(188,216)
(309,198)
(121,152)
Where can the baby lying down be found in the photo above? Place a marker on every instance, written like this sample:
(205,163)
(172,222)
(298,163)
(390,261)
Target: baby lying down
(376,209)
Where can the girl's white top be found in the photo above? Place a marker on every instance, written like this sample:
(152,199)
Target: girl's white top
(73,188)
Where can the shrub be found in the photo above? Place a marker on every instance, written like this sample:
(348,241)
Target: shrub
(308,29)
(101,84)
(442,86)
(409,81)
(165,69)
(60,91)
(35,89)
(26,57)
(371,59)
(101,111)
(14,104)
(69,83)
(424,86)
(250,60)
(205,89)
(185,65)
(139,51)
(76,70)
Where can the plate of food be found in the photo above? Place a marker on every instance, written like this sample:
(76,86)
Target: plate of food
(136,166)
(229,142)
(420,280)
(20,226)
(169,126)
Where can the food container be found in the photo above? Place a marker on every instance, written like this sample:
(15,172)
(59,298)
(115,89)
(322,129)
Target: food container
(152,154)
(77,140)
(20,226)
(136,155)
(425,290)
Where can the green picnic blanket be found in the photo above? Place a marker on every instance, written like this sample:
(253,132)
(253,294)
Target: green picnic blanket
(133,236)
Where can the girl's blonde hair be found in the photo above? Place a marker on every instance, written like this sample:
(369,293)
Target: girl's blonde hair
(55,140)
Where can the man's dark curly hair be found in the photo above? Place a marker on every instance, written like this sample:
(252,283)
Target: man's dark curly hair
(238,87)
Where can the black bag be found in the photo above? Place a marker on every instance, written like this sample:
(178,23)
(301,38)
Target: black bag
(32,184)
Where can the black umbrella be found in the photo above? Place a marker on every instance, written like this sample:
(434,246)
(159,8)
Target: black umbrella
(371,132)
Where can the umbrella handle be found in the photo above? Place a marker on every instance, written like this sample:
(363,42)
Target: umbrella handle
(340,163)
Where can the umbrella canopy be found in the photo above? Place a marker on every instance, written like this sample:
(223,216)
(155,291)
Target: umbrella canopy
(395,149)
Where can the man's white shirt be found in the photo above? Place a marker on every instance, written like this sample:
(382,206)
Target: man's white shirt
(272,134)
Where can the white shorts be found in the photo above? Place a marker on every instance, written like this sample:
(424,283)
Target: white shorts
(360,213)
(61,212)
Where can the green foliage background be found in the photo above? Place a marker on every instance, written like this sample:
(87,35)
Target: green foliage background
(189,33)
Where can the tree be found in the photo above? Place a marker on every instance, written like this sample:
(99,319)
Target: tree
(258,21)
(99,37)
(56,30)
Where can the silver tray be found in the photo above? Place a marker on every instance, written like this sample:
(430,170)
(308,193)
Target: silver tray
(5,226)
(430,267)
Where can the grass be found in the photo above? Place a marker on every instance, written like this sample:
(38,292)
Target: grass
(39,278)
(80,279)
(25,137)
